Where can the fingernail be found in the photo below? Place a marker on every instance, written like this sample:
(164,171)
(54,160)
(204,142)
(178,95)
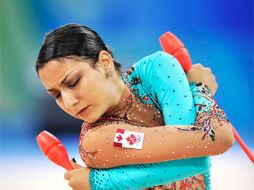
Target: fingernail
(73,159)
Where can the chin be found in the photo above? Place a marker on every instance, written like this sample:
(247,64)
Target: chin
(91,119)
(93,116)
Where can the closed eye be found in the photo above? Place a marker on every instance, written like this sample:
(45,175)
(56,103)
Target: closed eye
(57,96)
(74,84)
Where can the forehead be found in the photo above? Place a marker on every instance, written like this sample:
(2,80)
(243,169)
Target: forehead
(54,71)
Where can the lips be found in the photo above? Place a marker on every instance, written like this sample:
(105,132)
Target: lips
(82,110)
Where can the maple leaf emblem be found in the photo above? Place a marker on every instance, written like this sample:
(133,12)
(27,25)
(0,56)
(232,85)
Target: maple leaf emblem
(119,137)
(131,139)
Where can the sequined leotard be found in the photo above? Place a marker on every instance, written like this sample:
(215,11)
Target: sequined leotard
(160,95)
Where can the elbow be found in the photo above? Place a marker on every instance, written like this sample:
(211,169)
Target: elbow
(230,138)
(90,164)
(96,165)
(99,164)
(227,137)
(102,166)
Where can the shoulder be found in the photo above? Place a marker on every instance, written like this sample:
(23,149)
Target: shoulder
(150,62)
(151,65)
(152,59)
(157,64)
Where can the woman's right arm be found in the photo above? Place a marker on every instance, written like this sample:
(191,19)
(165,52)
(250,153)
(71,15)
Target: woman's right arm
(210,135)
(146,175)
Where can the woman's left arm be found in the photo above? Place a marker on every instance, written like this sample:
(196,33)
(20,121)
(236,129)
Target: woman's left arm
(199,73)
(78,178)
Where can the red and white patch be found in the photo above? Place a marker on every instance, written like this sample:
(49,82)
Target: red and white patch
(128,139)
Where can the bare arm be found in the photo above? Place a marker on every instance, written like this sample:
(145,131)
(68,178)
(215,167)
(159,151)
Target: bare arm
(210,135)
(186,167)
(160,144)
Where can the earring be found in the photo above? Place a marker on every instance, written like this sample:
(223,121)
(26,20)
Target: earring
(109,74)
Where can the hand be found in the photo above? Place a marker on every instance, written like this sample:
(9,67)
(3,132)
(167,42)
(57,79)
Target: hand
(199,73)
(78,178)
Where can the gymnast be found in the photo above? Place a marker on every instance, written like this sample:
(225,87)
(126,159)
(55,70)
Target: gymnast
(150,127)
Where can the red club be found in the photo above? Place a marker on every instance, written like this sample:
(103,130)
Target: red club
(53,149)
(172,45)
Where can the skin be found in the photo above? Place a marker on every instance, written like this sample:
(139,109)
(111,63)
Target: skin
(199,73)
(85,86)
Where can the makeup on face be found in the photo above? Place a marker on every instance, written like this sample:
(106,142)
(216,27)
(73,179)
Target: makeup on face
(70,80)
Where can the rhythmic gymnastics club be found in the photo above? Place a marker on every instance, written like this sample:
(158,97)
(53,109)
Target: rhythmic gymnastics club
(53,149)
(175,47)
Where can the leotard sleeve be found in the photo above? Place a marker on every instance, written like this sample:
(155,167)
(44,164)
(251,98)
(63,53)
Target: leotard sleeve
(170,96)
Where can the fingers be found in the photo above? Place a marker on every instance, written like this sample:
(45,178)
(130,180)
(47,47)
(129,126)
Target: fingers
(198,65)
(73,161)
(71,181)
(199,73)
(67,175)
(199,68)
(78,178)
(74,178)
(75,164)
(208,69)
(214,89)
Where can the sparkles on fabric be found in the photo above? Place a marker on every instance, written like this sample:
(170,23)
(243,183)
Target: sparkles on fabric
(157,93)
(149,118)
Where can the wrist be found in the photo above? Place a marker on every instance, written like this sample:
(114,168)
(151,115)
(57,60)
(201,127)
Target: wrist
(87,178)
(200,87)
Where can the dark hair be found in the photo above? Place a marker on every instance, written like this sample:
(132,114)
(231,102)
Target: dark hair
(73,41)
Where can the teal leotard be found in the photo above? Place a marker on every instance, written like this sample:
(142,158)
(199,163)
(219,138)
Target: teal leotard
(165,82)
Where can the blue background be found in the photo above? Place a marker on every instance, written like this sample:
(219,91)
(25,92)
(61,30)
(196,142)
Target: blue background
(217,33)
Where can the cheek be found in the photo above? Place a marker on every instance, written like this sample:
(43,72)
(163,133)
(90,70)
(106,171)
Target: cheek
(100,94)
(93,92)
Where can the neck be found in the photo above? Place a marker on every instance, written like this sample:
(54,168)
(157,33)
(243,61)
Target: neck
(121,97)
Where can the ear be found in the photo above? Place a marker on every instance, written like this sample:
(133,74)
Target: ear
(106,61)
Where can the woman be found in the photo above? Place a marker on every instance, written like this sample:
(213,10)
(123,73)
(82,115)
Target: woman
(77,68)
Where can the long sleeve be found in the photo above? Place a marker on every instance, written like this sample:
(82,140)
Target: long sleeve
(165,83)
(146,175)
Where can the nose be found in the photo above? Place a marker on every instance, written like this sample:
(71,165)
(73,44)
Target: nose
(69,99)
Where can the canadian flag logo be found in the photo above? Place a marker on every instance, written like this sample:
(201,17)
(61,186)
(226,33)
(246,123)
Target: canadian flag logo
(131,139)
(128,139)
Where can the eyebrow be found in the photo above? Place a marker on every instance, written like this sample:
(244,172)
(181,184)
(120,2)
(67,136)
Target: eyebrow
(62,81)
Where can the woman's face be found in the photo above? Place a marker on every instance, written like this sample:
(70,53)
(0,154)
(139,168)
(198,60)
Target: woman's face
(80,90)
